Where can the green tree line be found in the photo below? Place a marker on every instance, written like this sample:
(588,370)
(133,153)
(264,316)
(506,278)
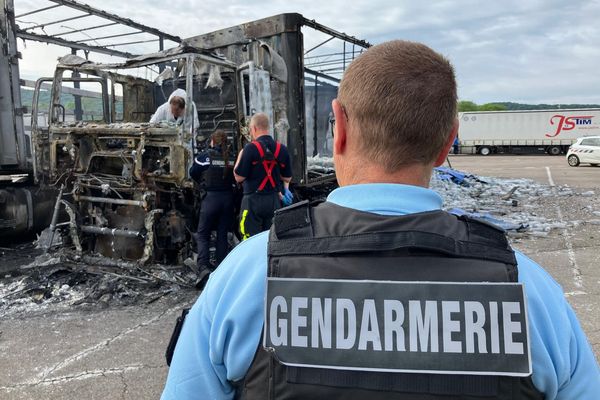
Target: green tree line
(467,105)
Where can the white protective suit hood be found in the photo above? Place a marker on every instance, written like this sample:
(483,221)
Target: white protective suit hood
(178,93)
(163,113)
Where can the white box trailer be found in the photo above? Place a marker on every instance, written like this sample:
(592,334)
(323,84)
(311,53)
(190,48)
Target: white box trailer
(549,131)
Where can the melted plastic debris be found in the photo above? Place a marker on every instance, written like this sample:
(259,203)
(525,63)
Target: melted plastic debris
(515,204)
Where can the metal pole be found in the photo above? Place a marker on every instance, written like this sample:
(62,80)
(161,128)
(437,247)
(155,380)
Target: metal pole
(325,76)
(76,85)
(55,217)
(128,43)
(108,200)
(344,56)
(109,36)
(322,28)
(189,101)
(161,47)
(83,29)
(319,45)
(110,231)
(66,43)
(316,120)
(56,22)
(37,11)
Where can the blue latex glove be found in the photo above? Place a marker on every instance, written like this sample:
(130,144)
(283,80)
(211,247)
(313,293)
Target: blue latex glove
(288,198)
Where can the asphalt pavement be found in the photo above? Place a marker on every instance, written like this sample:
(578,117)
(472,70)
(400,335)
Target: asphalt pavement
(541,168)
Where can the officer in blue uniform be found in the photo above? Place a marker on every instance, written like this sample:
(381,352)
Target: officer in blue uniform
(213,170)
(377,293)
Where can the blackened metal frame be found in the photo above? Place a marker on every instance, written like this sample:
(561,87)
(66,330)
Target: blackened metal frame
(58,38)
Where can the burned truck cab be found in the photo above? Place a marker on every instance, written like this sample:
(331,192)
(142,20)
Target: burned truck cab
(126,190)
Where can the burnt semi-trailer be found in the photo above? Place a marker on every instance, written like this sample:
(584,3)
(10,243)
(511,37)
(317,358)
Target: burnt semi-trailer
(539,131)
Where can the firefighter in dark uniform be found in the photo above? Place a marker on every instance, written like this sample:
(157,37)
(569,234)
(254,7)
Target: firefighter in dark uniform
(378,293)
(263,167)
(214,171)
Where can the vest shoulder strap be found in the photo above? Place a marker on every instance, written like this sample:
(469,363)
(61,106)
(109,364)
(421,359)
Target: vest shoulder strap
(277,149)
(293,221)
(261,152)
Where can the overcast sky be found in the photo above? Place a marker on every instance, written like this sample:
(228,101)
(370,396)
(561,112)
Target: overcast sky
(523,51)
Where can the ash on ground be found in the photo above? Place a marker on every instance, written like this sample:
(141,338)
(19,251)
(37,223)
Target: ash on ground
(56,282)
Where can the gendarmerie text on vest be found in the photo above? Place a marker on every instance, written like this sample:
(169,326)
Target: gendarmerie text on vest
(448,318)
(415,326)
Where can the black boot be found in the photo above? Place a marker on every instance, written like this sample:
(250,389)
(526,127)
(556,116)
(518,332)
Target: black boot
(203,274)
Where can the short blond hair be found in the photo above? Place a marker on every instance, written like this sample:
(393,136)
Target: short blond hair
(260,121)
(400,99)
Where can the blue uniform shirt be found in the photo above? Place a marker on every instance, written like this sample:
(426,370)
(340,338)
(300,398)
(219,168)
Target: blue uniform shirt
(201,163)
(222,331)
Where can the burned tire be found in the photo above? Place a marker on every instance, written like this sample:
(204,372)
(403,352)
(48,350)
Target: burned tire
(573,160)
(485,151)
(554,150)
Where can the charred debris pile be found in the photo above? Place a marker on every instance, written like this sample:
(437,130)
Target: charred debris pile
(56,280)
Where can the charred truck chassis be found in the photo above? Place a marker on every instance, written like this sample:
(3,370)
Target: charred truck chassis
(128,195)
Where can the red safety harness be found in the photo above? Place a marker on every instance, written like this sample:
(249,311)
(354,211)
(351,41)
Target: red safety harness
(268,164)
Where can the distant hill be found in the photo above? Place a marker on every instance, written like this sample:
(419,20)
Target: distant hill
(520,106)
(91,106)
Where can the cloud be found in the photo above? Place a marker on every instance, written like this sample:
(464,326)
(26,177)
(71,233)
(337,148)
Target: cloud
(534,51)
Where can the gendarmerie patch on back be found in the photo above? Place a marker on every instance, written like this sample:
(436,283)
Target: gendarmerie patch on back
(424,327)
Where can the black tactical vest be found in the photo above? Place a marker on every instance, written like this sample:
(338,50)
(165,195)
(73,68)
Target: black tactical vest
(218,177)
(330,243)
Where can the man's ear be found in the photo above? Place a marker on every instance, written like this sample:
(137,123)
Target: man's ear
(444,153)
(340,131)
